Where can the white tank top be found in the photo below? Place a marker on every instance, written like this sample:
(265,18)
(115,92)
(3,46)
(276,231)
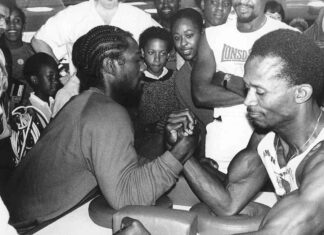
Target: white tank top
(283,179)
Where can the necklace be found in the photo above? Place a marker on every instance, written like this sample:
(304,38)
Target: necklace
(309,138)
(315,128)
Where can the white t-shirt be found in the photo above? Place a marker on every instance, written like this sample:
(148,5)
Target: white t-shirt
(231,47)
(63,29)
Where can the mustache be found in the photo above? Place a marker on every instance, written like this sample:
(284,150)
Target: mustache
(251,109)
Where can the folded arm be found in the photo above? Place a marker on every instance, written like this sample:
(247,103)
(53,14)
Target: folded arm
(41,46)
(206,92)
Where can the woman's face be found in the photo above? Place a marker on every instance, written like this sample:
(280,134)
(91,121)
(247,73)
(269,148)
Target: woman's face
(186,36)
(15,27)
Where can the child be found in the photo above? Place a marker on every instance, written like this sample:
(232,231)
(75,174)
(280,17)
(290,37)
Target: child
(158,99)
(274,10)
(41,72)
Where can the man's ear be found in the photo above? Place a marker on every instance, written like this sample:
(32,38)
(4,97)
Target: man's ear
(303,93)
(34,80)
(109,65)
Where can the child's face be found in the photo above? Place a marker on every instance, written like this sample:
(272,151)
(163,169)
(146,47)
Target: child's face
(155,55)
(48,80)
(15,27)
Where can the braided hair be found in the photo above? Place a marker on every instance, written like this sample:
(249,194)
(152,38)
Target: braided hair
(91,49)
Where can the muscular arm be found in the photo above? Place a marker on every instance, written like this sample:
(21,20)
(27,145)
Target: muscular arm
(41,46)
(245,178)
(205,92)
(301,212)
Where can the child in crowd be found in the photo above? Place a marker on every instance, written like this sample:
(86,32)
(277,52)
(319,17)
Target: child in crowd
(299,23)
(274,10)
(41,72)
(158,99)
(20,52)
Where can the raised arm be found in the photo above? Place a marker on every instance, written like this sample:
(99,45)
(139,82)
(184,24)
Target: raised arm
(207,93)
(245,178)
(301,212)
(41,46)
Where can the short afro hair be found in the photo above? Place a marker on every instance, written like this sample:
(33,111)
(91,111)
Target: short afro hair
(34,64)
(303,62)
(90,50)
(275,7)
(190,14)
(156,33)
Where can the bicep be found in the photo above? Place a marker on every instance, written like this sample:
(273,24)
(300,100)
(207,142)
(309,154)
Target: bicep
(205,65)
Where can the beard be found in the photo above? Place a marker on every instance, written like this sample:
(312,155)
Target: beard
(127,96)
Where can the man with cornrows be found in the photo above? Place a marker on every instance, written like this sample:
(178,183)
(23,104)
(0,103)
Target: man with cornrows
(89,144)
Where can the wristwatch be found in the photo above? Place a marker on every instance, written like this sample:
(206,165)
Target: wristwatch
(226,79)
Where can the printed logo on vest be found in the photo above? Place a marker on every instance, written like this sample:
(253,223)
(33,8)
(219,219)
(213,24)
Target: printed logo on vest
(233,54)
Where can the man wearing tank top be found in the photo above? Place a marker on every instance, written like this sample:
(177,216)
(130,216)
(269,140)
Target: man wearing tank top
(284,79)
(224,49)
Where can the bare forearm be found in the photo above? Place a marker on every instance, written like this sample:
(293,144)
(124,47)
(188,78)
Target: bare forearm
(41,46)
(211,96)
(209,189)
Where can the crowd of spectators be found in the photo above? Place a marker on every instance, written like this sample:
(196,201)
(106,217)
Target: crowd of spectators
(225,95)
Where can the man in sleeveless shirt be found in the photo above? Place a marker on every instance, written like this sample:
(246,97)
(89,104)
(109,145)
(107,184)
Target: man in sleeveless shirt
(284,78)
(224,49)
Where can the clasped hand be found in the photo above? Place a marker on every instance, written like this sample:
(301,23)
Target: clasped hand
(182,134)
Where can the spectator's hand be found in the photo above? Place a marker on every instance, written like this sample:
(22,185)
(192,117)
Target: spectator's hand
(130,226)
(179,123)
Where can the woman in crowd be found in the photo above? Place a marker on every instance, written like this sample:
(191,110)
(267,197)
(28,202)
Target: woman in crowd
(186,29)
(20,51)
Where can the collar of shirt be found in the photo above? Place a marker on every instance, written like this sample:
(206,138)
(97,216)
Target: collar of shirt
(149,75)
(42,105)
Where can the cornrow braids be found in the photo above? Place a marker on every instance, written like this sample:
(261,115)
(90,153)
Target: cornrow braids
(91,49)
